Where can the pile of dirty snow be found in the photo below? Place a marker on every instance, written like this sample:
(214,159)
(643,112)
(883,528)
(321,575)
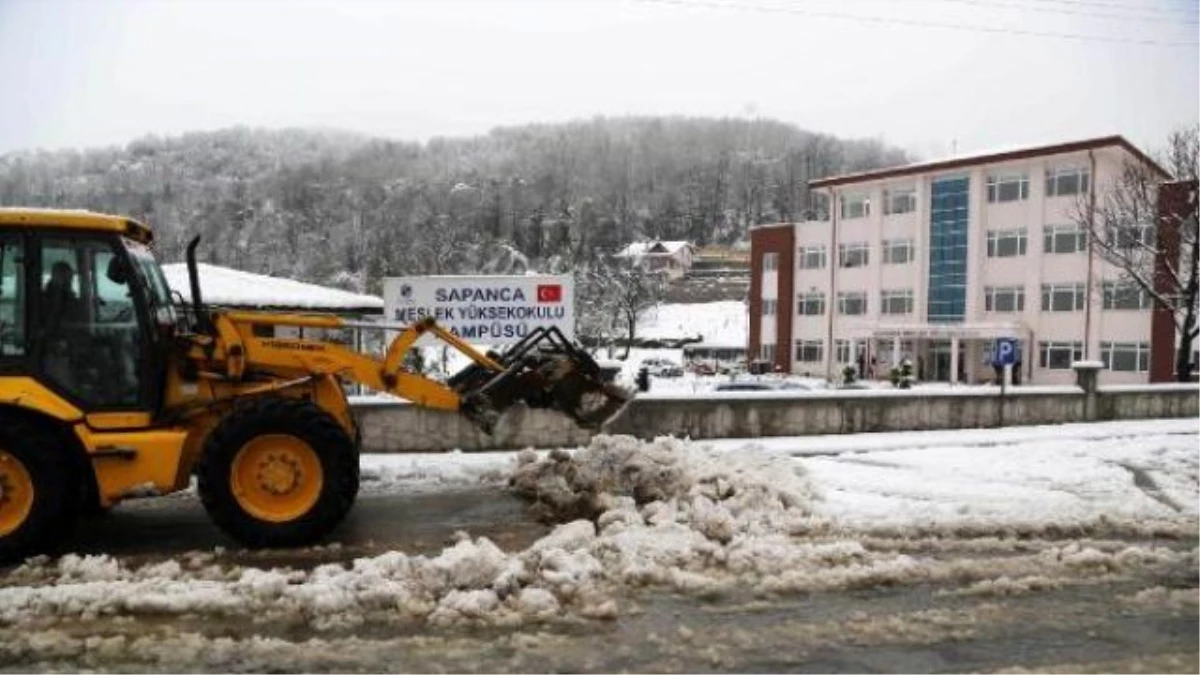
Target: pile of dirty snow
(621,479)
(471,582)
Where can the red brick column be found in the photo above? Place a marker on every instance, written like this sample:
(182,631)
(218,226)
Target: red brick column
(1174,204)
(779,239)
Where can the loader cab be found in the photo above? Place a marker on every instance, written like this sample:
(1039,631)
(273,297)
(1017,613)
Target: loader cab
(86,313)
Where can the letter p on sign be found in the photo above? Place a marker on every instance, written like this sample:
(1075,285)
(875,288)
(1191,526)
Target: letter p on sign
(549,293)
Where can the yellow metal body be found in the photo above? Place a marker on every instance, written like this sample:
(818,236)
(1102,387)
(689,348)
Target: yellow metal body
(153,451)
(75,220)
(146,452)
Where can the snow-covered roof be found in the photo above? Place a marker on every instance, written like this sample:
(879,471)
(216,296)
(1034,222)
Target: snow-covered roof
(235,288)
(993,156)
(642,248)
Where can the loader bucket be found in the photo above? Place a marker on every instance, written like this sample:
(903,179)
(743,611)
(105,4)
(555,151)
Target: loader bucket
(544,370)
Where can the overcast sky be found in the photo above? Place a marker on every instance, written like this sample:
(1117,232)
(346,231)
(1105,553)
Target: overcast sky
(83,73)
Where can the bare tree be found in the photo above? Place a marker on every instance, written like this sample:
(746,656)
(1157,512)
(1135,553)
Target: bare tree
(597,319)
(613,294)
(1158,253)
(635,290)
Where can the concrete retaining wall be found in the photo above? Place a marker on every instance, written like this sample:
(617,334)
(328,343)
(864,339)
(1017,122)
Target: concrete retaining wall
(399,427)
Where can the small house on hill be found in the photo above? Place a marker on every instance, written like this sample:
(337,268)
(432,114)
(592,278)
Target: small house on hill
(673,259)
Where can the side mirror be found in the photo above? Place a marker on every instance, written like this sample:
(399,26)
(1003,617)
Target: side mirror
(118,271)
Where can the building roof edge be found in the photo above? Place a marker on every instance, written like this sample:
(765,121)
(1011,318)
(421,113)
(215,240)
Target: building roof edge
(989,158)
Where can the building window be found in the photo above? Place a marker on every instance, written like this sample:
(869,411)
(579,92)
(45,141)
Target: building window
(1007,243)
(1131,357)
(810,304)
(769,305)
(852,304)
(1004,298)
(1008,187)
(1064,239)
(1059,355)
(1129,238)
(856,206)
(1063,297)
(899,201)
(812,257)
(770,261)
(949,210)
(1062,182)
(842,351)
(1126,295)
(854,255)
(766,351)
(896,302)
(810,351)
(897,251)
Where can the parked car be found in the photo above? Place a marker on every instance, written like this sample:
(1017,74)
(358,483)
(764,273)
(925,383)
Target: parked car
(660,367)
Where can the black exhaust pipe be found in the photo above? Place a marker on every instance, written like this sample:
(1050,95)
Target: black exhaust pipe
(203,325)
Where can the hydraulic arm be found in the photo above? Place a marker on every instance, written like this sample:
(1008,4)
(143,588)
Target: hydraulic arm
(544,370)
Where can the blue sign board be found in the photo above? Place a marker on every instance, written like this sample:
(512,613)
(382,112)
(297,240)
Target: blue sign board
(1006,352)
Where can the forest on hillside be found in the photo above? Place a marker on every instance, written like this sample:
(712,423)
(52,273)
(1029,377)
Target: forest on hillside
(347,209)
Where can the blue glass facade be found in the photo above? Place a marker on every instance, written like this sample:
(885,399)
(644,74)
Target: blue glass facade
(948,208)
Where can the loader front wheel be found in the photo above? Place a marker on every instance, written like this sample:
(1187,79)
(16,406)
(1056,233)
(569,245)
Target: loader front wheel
(279,472)
(37,506)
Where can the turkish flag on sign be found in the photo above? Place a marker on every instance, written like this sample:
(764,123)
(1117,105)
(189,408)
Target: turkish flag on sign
(549,292)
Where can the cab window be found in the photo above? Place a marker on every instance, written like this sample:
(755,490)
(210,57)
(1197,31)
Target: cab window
(12,296)
(91,344)
(152,279)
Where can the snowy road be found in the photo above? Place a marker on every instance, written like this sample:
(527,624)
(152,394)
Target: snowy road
(421,522)
(1070,548)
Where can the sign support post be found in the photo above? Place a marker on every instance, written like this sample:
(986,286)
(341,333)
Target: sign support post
(1004,356)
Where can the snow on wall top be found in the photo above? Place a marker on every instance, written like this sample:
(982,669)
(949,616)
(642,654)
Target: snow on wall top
(235,288)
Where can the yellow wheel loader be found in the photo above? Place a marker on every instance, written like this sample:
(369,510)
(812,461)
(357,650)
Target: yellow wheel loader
(108,390)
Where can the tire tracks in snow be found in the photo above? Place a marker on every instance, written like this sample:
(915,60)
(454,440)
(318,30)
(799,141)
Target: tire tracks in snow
(1143,481)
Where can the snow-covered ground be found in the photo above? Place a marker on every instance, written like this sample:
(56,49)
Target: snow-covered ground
(988,512)
(1036,475)
(724,322)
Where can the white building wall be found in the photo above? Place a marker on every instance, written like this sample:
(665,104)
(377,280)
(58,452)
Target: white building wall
(770,291)
(1030,271)
(813,233)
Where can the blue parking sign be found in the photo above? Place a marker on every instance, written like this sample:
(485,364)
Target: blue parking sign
(1005,353)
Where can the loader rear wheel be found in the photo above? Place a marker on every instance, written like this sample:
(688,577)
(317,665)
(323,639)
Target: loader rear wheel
(37,507)
(279,472)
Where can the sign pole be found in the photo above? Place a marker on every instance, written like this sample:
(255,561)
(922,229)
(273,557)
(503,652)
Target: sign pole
(1003,387)
(1004,355)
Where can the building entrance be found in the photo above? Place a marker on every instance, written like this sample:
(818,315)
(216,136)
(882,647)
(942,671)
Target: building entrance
(938,362)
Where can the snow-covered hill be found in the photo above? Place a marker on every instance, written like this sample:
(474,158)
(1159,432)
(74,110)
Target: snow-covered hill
(724,322)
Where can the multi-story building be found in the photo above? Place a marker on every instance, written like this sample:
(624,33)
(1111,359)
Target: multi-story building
(934,262)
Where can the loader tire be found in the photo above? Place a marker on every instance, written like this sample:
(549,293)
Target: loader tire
(277,473)
(38,502)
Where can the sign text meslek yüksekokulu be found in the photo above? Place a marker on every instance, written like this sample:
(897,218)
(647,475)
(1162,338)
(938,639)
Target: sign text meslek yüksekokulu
(486,309)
